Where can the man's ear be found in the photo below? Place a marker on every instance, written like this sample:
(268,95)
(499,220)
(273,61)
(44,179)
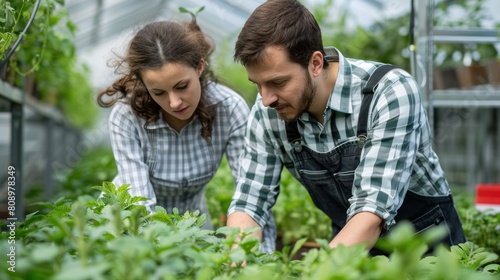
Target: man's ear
(316,63)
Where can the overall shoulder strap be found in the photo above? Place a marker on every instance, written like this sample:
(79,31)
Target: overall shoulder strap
(371,85)
(368,90)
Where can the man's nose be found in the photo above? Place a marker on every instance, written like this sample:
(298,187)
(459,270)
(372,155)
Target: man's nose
(268,96)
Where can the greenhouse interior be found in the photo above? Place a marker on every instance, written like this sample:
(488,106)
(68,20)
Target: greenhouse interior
(67,212)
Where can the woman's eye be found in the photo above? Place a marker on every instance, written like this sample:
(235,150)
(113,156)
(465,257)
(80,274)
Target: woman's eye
(158,93)
(181,87)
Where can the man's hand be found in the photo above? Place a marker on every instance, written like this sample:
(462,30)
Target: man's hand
(363,228)
(242,220)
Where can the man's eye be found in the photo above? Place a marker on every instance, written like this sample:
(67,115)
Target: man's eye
(278,83)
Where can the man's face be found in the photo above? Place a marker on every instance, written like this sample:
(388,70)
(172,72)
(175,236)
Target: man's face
(284,85)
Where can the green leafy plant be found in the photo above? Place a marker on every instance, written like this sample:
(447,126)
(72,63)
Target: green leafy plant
(482,228)
(219,193)
(45,64)
(472,256)
(112,237)
(72,182)
(94,166)
(8,22)
(296,215)
(193,14)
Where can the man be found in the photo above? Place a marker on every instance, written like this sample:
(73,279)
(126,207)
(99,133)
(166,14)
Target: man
(308,119)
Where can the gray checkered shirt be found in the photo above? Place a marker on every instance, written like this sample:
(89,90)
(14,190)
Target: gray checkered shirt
(173,168)
(397,157)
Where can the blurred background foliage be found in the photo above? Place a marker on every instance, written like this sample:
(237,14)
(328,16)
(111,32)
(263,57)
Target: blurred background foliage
(46,65)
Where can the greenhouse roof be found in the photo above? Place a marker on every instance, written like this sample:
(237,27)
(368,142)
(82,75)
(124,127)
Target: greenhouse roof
(99,20)
(104,26)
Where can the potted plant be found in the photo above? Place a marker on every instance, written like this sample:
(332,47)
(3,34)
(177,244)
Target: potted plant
(468,60)
(493,70)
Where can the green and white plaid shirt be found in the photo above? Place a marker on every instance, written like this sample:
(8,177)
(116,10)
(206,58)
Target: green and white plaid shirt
(396,158)
(170,168)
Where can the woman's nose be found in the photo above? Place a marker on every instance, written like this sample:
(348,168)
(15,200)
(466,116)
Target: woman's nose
(175,101)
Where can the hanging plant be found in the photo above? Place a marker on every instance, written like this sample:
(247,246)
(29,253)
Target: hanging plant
(47,57)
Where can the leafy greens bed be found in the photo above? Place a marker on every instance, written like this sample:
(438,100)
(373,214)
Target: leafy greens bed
(114,238)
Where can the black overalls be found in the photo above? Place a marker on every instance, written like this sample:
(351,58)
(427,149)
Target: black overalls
(328,177)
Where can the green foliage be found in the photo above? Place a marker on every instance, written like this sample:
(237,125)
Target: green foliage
(219,193)
(8,22)
(296,215)
(473,13)
(113,237)
(114,230)
(474,257)
(193,14)
(231,73)
(387,40)
(47,54)
(94,167)
(482,228)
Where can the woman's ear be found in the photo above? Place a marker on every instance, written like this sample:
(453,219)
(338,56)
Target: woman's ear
(316,63)
(201,66)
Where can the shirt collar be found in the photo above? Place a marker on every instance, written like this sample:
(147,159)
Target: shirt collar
(159,123)
(341,99)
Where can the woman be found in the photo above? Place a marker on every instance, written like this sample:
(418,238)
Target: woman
(171,123)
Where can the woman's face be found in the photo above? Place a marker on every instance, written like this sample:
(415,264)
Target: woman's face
(176,88)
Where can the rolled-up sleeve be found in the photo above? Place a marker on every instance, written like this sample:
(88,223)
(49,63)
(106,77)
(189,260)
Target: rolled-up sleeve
(129,156)
(383,175)
(257,186)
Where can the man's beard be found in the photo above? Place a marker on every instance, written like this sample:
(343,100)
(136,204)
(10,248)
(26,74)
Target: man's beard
(307,95)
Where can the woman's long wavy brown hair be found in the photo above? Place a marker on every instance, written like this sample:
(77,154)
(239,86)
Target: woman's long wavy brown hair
(155,45)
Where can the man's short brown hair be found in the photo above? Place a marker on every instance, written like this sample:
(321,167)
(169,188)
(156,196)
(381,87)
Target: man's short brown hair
(282,23)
